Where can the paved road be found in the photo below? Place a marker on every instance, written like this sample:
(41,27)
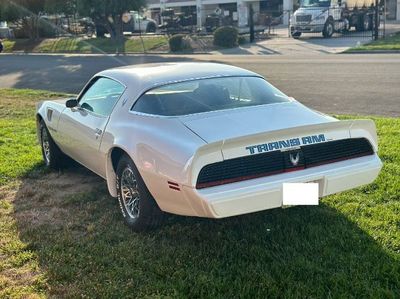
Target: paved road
(352,84)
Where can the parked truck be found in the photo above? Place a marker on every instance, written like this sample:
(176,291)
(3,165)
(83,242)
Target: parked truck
(330,16)
(133,21)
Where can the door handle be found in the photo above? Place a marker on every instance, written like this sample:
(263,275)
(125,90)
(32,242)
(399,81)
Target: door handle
(97,132)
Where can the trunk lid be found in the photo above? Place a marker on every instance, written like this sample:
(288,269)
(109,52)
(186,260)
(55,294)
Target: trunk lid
(220,125)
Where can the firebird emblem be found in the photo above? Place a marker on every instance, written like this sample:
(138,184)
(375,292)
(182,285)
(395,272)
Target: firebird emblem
(294,158)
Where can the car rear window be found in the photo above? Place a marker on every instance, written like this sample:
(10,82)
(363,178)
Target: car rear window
(206,95)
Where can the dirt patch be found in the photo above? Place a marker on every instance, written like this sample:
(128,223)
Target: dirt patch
(45,200)
(41,209)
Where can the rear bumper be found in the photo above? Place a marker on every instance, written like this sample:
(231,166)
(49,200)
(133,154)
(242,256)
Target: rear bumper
(266,193)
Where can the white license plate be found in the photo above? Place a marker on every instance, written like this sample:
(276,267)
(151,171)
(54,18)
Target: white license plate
(300,194)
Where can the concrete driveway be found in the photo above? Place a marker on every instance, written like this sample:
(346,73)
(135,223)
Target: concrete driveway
(307,44)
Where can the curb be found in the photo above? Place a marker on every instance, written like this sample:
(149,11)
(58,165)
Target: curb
(105,54)
(371,52)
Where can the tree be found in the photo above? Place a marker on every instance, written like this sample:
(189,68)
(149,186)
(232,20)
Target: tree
(17,9)
(29,11)
(8,12)
(66,7)
(108,13)
(25,10)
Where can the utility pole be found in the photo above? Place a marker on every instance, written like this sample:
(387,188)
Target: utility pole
(376,20)
(251,22)
(199,15)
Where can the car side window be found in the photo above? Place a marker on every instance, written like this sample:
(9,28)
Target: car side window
(101,96)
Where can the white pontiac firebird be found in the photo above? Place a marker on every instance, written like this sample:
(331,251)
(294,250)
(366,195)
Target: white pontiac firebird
(202,139)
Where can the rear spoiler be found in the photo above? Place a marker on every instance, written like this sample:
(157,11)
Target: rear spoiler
(237,147)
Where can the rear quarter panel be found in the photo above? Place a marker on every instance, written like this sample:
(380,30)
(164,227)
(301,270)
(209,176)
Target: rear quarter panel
(161,148)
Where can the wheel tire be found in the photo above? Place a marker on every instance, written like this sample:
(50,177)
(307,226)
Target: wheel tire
(151,27)
(346,27)
(52,155)
(296,35)
(328,29)
(138,207)
(360,24)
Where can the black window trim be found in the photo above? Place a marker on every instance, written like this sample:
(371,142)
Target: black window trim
(290,99)
(90,84)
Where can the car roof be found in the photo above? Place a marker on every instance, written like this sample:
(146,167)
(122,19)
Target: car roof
(146,76)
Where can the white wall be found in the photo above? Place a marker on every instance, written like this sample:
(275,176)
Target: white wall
(200,14)
(398,11)
(287,5)
(205,7)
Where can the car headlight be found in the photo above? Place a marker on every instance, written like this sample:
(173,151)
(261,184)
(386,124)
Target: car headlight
(320,18)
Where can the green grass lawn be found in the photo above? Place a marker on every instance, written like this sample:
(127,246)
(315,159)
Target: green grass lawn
(61,234)
(391,42)
(92,45)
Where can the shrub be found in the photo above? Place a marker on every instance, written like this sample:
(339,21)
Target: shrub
(226,37)
(46,29)
(242,40)
(20,32)
(179,42)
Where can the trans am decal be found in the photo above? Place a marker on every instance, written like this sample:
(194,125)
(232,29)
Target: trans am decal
(283,144)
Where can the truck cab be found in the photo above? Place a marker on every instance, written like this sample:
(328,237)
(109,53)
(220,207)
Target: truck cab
(330,16)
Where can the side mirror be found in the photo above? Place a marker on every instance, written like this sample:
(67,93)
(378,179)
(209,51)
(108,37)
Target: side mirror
(71,103)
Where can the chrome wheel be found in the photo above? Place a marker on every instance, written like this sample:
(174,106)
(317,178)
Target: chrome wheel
(130,193)
(46,146)
(329,29)
(138,208)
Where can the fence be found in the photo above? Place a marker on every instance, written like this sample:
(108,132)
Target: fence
(365,22)
(338,21)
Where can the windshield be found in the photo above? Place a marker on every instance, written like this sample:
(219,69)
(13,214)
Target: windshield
(206,95)
(315,3)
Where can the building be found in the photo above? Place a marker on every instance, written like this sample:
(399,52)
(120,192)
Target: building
(393,9)
(234,10)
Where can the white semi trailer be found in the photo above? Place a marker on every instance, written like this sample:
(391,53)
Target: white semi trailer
(330,16)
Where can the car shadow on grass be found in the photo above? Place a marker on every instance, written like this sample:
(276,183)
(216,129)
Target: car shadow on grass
(85,250)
